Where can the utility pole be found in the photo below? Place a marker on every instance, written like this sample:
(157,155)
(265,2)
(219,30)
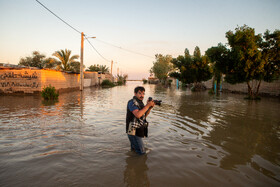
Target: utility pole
(82,63)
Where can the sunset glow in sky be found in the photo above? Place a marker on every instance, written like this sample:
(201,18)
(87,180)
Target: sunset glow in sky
(144,26)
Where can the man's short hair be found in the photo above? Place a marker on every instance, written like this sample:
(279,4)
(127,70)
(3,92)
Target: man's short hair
(139,88)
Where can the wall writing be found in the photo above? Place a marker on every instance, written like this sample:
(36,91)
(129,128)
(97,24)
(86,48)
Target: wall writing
(19,84)
(19,80)
(13,75)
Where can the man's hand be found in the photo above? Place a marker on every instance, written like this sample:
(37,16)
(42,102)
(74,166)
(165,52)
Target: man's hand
(151,103)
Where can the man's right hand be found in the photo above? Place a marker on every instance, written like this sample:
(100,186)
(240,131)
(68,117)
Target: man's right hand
(151,103)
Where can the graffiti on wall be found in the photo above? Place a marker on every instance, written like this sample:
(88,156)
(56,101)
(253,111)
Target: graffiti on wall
(25,75)
(17,80)
(18,84)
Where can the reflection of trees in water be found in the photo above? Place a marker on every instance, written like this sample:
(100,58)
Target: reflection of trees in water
(135,173)
(197,106)
(193,109)
(249,130)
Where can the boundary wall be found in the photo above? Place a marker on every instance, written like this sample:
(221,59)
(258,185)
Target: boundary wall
(29,80)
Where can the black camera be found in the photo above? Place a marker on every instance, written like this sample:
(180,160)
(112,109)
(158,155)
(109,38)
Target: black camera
(157,102)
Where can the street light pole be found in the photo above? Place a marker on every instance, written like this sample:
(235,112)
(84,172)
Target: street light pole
(82,63)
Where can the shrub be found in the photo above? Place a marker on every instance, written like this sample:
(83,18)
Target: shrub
(107,83)
(122,79)
(211,92)
(49,93)
(119,83)
(145,81)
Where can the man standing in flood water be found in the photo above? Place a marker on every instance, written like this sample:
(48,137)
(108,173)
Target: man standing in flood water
(136,124)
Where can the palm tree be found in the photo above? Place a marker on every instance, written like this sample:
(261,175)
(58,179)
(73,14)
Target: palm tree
(65,59)
(104,69)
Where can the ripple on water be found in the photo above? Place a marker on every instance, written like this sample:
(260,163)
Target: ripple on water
(194,139)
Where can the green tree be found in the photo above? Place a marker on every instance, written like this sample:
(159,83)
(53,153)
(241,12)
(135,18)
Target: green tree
(270,47)
(50,63)
(97,68)
(122,79)
(67,62)
(197,53)
(104,69)
(75,67)
(36,60)
(93,68)
(200,66)
(218,57)
(192,69)
(245,63)
(162,66)
(251,58)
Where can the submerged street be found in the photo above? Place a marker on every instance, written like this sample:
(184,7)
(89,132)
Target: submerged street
(194,139)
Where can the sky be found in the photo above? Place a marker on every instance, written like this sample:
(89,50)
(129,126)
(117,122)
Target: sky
(125,28)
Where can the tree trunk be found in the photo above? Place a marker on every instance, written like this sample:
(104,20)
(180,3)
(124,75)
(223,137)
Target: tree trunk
(250,92)
(257,91)
(253,93)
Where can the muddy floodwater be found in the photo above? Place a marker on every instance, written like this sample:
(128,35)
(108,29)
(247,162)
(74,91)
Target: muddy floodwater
(195,139)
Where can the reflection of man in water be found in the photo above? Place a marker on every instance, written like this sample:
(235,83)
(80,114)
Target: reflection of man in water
(135,173)
(136,124)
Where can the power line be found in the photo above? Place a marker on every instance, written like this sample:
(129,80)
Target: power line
(72,28)
(124,49)
(96,39)
(96,50)
(58,17)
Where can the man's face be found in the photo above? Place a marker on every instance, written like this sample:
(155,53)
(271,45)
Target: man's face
(140,95)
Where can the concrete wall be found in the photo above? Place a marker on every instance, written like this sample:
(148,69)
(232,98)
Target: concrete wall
(34,80)
(20,80)
(92,76)
(266,88)
(96,79)
(26,80)
(60,80)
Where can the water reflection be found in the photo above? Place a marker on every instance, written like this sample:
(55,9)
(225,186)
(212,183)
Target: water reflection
(241,128)
(246,136)
(135,173)
(195,139)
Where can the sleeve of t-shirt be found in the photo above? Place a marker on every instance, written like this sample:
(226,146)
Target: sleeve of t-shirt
(132,106)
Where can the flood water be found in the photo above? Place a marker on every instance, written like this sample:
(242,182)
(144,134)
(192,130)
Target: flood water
(194,140)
